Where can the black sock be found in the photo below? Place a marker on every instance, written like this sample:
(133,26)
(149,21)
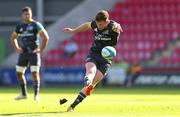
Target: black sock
(36,85)
(79,99)
(23,87)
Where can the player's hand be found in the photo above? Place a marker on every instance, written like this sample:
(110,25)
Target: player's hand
(68,30)
(37,50)
(117,28)
(19,50)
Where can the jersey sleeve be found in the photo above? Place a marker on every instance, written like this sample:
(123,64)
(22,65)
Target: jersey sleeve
(17,30)
(115,35)
(93,24)
(39,27)
(113,24)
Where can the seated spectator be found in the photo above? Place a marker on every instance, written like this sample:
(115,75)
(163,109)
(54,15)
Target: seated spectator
(70,49)
(132,74)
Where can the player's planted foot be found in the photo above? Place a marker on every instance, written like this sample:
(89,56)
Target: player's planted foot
(37,98)
(78,100)
(21,97)
(70,109)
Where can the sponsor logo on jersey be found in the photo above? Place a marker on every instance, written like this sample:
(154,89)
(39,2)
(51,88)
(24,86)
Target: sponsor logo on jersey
(30,28)
(99,37)
(26,34)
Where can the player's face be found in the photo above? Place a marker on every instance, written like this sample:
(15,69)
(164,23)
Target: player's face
(27,16)
(101,24)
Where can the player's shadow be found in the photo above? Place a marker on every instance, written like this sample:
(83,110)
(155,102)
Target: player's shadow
(32,113)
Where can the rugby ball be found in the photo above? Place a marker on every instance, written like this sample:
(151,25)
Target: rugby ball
(108,52)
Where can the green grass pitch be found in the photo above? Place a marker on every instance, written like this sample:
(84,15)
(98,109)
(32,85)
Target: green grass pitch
(104,102)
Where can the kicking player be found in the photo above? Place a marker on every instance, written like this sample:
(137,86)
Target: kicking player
(106,33)
(26,43)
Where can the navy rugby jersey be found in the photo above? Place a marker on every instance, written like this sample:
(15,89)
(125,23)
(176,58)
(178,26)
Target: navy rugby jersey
(102,38)
(28,35)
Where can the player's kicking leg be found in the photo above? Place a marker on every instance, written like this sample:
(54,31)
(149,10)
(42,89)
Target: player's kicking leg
(22,82)
(36,81)
(93,76)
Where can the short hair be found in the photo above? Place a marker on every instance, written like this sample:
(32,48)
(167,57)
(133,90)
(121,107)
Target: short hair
(26,9)
(102,15)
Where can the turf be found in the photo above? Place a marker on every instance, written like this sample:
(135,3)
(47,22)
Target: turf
(105,102)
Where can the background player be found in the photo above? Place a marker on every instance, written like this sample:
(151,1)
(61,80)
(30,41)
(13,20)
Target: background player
(106,33)
(29,50)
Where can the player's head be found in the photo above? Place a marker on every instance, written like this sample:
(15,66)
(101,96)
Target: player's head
(27,14)
(102,19)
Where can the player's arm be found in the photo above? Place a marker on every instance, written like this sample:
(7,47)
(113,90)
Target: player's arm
(117,28)
(45,39)
(44,36)
(14,42)
(83,27)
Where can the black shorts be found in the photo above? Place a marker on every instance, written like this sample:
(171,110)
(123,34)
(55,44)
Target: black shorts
(102,64)
(26,59)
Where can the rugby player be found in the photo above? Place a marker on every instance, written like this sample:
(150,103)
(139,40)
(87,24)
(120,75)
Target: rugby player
(25,40)
(106,33)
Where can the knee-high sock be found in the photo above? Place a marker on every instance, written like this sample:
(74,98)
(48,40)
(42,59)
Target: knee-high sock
(79,99)
(23,86)
(36,85)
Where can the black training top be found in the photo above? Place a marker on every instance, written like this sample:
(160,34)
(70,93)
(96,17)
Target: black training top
(102,38)
(28,35)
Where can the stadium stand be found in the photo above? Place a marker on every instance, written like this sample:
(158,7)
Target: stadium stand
(148,28)
(173,59)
